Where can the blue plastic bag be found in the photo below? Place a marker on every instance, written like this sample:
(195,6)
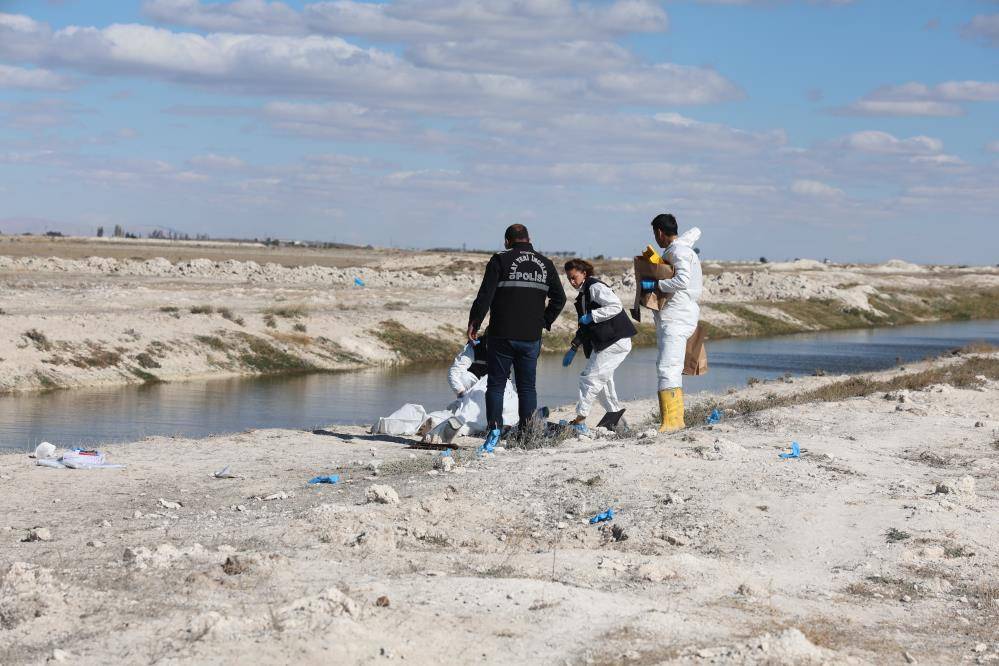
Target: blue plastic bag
(358,282)
(602,517)
(329,478)
(795,452)
(715,417)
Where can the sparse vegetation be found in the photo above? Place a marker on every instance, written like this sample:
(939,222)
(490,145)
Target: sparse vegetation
(38,339)
(147,377)
(264,357)
(202,309)
(270,321)
(894,535)
(96,357)
(227,314)
(288,311)
(393,306)
(299,327)
(146,361)
(215,342)
(413,346)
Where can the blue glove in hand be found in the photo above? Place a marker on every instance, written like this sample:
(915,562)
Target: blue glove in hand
(567,359)
(648,285)
(586,319)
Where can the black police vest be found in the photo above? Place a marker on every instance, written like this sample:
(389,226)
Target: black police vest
(600,336)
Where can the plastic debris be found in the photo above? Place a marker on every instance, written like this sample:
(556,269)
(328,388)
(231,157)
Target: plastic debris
(44,451)
(358,282)
(602,517)
(328,478)
(224,473)
(714,418)
(581,428)
(795,452)
(170,504)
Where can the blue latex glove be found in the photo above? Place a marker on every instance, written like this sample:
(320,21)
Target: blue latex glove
(567,359)
(358,282)
(601,517)
(714,418)
(795,452)
(330,478)
(586,319)
(648,285)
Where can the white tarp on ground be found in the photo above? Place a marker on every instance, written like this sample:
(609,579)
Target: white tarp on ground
(403,421)
(470,408)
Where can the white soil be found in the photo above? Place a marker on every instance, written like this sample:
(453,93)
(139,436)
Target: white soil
(851,554)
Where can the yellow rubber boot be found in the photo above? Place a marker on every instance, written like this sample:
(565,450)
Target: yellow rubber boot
(664,410)
(676,409)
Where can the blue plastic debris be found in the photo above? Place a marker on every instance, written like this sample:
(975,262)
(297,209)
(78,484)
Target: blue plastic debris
(714,418)
(446,453)
(602,517)
(795,452)
(358,282)
(329,478)
(580,428)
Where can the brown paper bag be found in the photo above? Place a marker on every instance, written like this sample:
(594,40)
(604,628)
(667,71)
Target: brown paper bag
(646,270)
(696,360)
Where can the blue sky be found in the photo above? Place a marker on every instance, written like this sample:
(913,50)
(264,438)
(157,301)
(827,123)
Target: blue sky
(856,130)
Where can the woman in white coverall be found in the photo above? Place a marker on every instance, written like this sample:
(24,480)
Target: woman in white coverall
(675,322)
(605,333)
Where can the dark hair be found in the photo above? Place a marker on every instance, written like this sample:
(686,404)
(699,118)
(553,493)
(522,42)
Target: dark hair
(579,265)
(517,232)
(666,223)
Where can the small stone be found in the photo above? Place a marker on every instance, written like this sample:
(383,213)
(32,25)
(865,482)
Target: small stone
(382,601)
(105,523)
(137,514)
(170,504)
(235,565)
(979,424)
(906,598)
(382,495)
(280,495)
(60,656)
(909,659)
(38,534)
(95,544)
(981,647)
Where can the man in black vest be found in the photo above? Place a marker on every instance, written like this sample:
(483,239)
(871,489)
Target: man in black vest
(514,291)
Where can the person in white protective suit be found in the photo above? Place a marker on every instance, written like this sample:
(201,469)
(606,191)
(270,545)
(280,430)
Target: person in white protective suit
(678,319)
(469,366)
(605,334)
(467,378)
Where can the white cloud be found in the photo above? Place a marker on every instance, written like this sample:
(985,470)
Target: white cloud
(31,79)
(919,99)
(417,20)
(319,66)
(544,58)
(887,144)
(983,28)
(814,188)
(217,162)
(336,120)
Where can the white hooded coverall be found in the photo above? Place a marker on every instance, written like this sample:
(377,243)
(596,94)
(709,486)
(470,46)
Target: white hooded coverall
(458,376)
(677,321)
(597,379)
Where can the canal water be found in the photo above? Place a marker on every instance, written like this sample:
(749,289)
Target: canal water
(195,409)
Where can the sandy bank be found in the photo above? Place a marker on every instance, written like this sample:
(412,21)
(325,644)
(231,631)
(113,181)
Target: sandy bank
(99,320)
(879,541)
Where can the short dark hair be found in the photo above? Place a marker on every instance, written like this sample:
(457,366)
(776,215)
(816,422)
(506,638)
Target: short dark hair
(517,232)
(579,265)
(666,223)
